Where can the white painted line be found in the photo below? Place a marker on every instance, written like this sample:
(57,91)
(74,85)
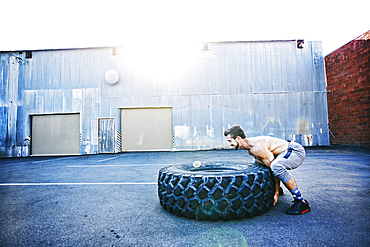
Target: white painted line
(76,166)
(108,159)
(47,160)
(126,165)
(60,184)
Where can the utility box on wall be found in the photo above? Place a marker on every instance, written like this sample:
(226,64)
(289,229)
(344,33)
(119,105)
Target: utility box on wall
(274,88)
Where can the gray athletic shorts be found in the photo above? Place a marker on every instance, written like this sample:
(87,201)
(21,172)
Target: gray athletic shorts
(288,160)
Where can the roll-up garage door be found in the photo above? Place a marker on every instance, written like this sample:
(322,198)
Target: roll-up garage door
(56,134)
(146,129)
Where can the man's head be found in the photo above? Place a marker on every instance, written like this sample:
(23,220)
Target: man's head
(232,135)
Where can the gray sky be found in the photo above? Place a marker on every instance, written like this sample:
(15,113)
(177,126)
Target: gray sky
(40,24)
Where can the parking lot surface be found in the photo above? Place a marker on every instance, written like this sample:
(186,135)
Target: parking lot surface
(111,200)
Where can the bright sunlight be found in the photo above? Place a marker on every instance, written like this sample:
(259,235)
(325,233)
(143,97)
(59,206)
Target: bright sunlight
(162,59)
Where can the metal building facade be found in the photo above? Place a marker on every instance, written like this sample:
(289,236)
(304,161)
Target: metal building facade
(270,88)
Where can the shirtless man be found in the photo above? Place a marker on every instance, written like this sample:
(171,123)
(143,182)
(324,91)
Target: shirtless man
(279,155)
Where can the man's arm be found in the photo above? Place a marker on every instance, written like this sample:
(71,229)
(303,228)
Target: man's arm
(266,155)
(268,160)
(262,154)
(277,186)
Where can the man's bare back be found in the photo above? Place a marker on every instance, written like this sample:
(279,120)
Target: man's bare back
(263,148)
(262,144)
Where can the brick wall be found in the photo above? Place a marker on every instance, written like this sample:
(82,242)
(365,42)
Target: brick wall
(348,79)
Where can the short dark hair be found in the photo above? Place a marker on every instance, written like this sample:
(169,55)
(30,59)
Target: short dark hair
(235,131)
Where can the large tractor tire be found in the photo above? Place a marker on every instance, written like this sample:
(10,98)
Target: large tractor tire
(216,190)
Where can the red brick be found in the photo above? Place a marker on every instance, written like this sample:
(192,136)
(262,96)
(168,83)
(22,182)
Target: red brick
(348,80)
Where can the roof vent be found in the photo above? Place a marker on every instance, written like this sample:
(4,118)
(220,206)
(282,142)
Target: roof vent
(300,44)
(205,47)
(28,54)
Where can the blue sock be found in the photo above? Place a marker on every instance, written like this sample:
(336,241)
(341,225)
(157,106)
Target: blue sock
(296,194)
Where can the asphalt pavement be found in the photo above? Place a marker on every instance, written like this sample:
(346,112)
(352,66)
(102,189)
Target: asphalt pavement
(111,200)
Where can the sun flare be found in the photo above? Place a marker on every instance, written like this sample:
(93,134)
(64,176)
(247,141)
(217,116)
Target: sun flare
(166,59)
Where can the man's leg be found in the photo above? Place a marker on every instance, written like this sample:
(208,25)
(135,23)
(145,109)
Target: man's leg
(288,160)
(291,184)
(293,188)
(300,205)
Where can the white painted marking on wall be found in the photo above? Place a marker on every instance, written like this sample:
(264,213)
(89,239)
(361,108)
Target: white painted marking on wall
(182,131)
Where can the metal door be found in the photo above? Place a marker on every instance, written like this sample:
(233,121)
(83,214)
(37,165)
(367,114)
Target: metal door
(57,134)
(106,135)
(146,129)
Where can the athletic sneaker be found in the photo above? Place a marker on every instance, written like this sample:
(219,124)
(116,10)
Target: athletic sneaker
(299,207)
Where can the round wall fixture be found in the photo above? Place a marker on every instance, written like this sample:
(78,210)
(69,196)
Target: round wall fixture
(111,76)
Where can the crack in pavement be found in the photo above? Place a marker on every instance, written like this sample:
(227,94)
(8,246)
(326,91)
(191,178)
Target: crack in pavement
(124,235)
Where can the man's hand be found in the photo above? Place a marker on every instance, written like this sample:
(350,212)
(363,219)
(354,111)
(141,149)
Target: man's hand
(276,196)
(277,187)
(257,159)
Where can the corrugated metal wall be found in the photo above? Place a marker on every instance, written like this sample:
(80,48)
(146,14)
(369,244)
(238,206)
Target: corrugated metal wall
(269,88)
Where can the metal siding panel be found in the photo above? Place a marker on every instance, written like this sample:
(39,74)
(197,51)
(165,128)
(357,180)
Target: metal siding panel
(267,87)
(4,70)
(95,102)
(84,69)
(232,113)
(260,113)
(20,129)
(105,107)
(36,71)
(3,126)
(271,123)
(53,101)
(45,71)
(73,66)
(12,100)
(113,110)
(92,146)
(281,112)
(28,99)
(319,67)
(176,119)
(186,121)
(39,102)
(201,129)
(246,107)
(216,110)
(48,101)
(66,71)
(55,74)
(76,100)
(87,122)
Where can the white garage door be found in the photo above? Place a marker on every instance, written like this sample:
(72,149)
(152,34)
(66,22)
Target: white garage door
(56,134)
(146,129)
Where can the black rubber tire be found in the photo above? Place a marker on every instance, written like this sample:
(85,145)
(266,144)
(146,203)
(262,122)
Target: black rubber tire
(216,190)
